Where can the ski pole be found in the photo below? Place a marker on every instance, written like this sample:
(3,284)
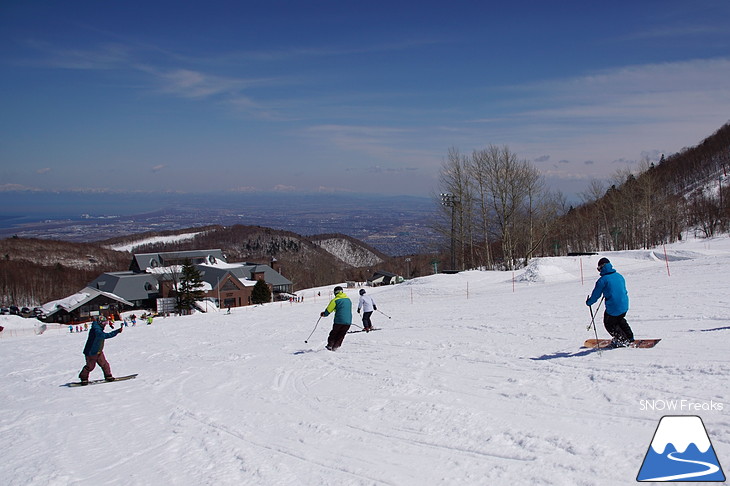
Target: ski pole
(386,315)
(315,328)
(593,322)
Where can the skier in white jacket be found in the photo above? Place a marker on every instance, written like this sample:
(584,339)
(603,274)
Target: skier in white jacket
(367,304)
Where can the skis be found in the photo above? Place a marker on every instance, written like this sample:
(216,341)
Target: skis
(363,330)
(103,380)
(606,343)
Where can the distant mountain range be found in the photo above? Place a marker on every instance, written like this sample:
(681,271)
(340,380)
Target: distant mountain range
(393,225)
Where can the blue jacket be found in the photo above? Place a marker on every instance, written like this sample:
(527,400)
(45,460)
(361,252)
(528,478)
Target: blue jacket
(95,341)
(341,305)
(613,287)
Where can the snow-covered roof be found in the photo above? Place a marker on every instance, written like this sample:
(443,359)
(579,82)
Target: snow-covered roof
(161,259)
(78,299)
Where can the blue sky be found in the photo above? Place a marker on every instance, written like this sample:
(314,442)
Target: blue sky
(360,97)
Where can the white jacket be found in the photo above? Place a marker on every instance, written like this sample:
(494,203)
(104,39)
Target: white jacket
(366,303)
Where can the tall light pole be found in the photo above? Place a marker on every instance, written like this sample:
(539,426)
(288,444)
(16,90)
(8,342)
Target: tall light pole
(451,201)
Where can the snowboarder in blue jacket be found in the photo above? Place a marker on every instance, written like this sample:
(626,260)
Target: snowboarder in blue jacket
(612,286)
(94,351)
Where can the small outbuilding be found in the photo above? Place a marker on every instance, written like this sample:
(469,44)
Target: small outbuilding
(384,278)
(84,305)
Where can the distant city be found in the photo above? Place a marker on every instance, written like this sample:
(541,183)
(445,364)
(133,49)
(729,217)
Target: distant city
(394,225)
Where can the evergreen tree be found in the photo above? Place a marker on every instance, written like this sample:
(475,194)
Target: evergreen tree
(190,287)
(261,293)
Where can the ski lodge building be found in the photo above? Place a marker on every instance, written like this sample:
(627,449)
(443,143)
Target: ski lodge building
(152,277)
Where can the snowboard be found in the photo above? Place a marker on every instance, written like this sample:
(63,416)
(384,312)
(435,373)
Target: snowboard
(96,382)
(606,343)
(363,330)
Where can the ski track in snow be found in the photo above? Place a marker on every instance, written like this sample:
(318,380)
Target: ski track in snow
(469,382)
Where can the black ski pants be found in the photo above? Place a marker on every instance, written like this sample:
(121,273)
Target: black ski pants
(337,335)
(617,327)
(366,320)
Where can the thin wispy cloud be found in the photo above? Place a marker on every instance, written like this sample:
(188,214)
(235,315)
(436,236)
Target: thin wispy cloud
(195,84)
(101,57)
(673,32)
(635,92)
(181,82)
(395,144)
(600,111)
(323,51)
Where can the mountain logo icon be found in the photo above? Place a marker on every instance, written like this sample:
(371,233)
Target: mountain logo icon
(681,451)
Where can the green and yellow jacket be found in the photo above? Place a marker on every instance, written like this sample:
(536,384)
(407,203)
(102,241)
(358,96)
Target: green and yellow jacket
(342,307)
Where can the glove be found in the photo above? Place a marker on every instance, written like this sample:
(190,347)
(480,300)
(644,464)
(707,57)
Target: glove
(321,314)
(375,308)
(358,311)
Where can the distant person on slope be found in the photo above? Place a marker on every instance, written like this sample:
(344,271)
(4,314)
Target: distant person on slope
(612,286)
(94,351)
(367,304)
(342,307)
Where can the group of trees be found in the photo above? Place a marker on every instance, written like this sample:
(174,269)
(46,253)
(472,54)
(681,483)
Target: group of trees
(633,212)
(26,283)
(498,213)
(688,191)
(35,271)
(495,208)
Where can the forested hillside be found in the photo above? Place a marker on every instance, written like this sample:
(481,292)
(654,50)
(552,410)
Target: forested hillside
(689,190)
(498,212)
(35,271)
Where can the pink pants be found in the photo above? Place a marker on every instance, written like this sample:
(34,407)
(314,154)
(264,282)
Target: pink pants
(91,362)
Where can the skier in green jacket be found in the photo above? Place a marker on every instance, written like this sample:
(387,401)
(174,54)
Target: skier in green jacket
(342,307)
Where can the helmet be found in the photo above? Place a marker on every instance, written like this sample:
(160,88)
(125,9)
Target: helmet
(337,290)
(602,262)
(362,291)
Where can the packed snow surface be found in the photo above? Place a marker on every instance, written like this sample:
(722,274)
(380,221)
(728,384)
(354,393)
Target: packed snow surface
(155,239)
(477,378)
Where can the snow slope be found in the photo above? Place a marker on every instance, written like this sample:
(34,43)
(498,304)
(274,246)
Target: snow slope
(348,252)
(476,379)
(130,247)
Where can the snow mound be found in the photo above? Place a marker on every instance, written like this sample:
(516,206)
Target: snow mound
(538,271)
(17,322)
